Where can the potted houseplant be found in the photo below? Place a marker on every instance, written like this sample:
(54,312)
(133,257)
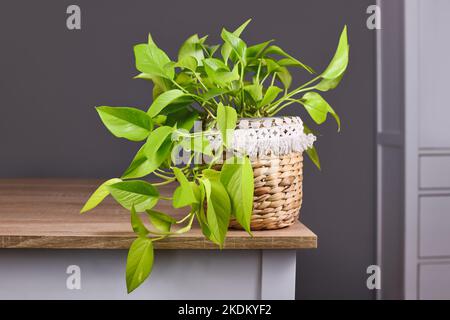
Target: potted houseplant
(212,131)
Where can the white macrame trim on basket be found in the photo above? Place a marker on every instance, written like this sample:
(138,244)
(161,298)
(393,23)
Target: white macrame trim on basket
(267,136)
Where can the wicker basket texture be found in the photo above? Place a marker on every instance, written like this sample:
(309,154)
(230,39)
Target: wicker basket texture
(278,191)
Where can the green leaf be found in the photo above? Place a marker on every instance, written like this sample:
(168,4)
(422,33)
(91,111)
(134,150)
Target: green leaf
(184,79)
(318,108)
(157,91)
(188,226)
(200,212)
(203,39)
(226,122)
(237,177)
(197,194)
(215,64)
(218,209)
(129,123)
(198,144)
(140,166)
(183,195)
(227,48)
(187,63)
(339,62)
(136,223)
(156,139)
(328,84)
(161,221)
(160,120)
(289,62)
(202,145)
(164,83)
(272,65)
(141,194)
(145,76)
(139,262)
(214,92)
(290,59)
(152,60)
(183,180)
(201,218)
(99,195)
(270,95)
(219,72)
(166,99)
(312,152)
(223,78)
(241,28)
(255,51)
(313,155)
(212,49)
(152,154)
(180,104)
(192,48)
(211,174)
(255,91)
(150,40)
(160,84)
(157,157)
(237,44)
(285,77)
(183,119)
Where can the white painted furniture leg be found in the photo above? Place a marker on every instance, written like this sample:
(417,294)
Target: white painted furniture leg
(278,274)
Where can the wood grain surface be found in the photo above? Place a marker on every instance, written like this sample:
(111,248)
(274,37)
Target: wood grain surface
(44,213)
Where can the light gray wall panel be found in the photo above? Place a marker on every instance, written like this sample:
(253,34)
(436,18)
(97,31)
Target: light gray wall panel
(435,171)
(434,73)
(434,235)
(434,281)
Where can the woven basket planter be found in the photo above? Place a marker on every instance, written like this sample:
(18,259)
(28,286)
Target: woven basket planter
(278,191)
(275,147)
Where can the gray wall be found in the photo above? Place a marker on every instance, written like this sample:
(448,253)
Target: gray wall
(51,79)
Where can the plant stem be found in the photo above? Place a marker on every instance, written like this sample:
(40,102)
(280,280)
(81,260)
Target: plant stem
(271,107)
(192,135)
(184,218)
(259,70)
(264,79)
(164,182)
(162,176)
(200,81)
(273,79)
(163,172)
(158,238)
(242,86)
(198,98)
(214,159)
(281,107)
(209,112)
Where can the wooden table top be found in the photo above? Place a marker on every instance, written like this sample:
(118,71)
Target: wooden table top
(44,213)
